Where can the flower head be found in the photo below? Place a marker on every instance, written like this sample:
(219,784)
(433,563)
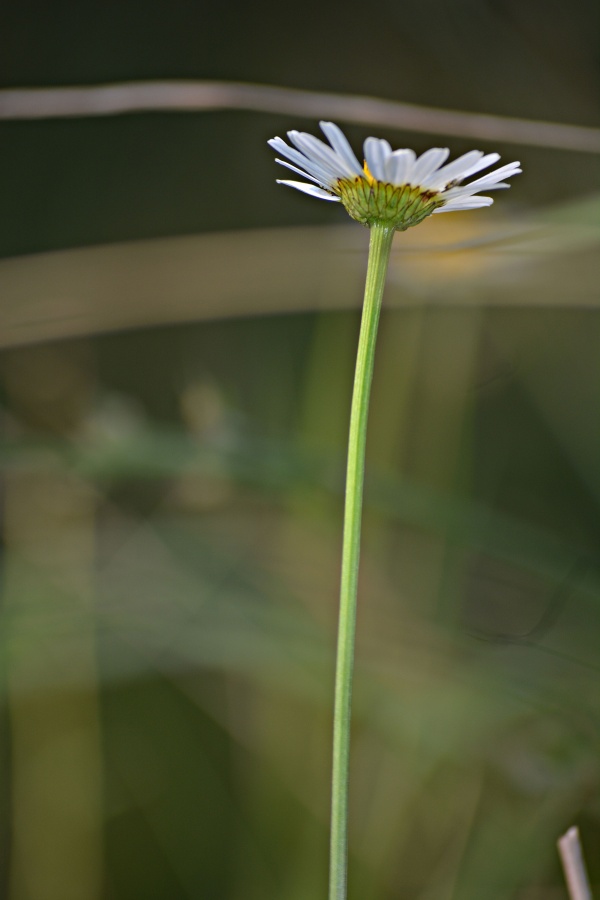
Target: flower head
(393,187)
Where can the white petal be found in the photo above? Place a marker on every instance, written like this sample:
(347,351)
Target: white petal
(461,192)
(320,174)
(288,165)
(465,203)
(428,163)
(399,166)
(483,163)
(497,175)
(310,189)
(490,182)
(339,142)
(321,153)
(377,153)
(456,169)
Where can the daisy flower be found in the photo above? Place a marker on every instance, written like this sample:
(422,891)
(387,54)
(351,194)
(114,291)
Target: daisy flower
(395,188)
(391,191)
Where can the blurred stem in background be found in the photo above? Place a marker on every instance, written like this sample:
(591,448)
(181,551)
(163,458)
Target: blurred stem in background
(380,245)
(54,719)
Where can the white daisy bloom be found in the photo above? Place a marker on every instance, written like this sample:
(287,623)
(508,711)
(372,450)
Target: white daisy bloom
(393,187)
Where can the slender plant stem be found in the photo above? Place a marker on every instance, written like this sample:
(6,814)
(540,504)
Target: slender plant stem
(379,252)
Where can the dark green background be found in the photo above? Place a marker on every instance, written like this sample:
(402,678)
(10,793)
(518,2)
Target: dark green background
(215,454)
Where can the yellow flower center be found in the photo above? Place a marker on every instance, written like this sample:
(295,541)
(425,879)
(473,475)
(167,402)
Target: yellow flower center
(368,175)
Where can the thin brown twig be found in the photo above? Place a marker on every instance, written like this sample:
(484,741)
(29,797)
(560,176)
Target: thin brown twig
(194,96)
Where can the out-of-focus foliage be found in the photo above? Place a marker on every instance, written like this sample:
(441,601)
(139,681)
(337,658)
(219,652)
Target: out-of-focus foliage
(172,494)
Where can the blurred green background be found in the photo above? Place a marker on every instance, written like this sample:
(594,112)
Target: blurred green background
(177,336)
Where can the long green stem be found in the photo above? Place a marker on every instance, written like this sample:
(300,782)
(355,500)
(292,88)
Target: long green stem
(379,252)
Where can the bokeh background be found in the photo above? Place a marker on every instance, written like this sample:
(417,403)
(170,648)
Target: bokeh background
(177,336)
